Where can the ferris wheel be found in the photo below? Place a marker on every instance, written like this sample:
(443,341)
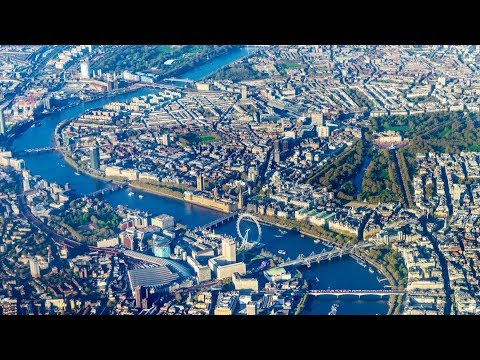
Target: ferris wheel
(244,237)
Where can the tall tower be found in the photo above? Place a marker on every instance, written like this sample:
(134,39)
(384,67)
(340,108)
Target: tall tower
(229,249)
(215,193)
(165,139)
(26,180)
(84,70)
(244,92)
(3,125)
(95,158)
(34,268)
(240,198)
(200,183)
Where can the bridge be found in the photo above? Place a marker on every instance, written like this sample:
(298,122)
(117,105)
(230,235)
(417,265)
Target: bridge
(324,255)
(215,223)
(52,148)
(40,150)
(108,189)
(359,293)
(179,80)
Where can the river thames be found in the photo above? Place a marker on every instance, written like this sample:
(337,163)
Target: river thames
(343,273)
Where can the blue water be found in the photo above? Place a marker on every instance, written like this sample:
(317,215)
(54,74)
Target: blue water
(344,273)
(185,213)
(339,274)
(206,69)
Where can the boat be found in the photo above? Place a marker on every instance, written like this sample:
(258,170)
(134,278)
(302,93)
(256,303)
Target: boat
(316,241)
(333,310)
(361,263)
(302,235)
(77,173)
(282,231)
(316,279)
(140,196)
(131,193)
(370,270)
(277,236)
(282,252)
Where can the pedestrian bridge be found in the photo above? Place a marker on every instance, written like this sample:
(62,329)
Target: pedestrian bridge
(359,293)
(312,258)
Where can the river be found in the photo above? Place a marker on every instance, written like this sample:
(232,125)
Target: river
(340,274)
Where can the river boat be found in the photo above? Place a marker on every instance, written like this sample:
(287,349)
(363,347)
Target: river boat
(333,310)
(282,252)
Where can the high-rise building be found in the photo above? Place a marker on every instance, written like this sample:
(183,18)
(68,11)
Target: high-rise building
(229,249)
(252,173)
(244,92)
(240,198)
(166,139)
(84,70)
(3,125)
(200,182)
(26,180)
(95,158)
(276,145)
(34,268)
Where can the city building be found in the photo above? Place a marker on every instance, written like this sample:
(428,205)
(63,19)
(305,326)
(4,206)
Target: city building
(244,91)
(34,268)
(157,276)
(166,139)
(203,271)
(161,246)
(244,283)
(95,158)
(200,183)
(163,221)
(141,293)
(225,265)
(3,125)
(251,308)
(229,249)
(226,303)
(84,70)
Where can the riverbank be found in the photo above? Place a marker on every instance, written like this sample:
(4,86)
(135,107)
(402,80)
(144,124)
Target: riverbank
(158,191)
(395,300)
(38,119)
